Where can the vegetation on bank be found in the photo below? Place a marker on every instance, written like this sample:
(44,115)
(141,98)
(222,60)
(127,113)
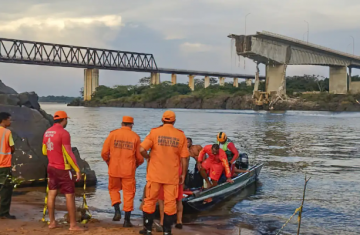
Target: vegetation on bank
(57,99)
(144,92)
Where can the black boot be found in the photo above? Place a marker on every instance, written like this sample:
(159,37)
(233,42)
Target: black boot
(127,223)
(117,215)
(148,222)
(168,222)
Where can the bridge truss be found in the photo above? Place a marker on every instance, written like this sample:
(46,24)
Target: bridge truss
(39,53)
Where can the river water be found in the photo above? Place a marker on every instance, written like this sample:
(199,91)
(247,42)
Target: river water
(324,145)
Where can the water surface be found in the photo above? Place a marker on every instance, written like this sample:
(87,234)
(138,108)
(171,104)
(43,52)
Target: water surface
(324,145)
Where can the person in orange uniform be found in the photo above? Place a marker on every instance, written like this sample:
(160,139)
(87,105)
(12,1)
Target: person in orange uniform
(179,205)
(121,151)
(214,165)
(7,149)
(168,148)
(57,147)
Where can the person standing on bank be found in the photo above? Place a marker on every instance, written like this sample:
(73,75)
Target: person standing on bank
(121,152)
(6,151)
(57,147)
(168,147)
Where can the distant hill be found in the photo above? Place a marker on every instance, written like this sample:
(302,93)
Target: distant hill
(57,99)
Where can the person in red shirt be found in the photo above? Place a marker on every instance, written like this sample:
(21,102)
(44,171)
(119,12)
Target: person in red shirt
(57,147)
(214,165)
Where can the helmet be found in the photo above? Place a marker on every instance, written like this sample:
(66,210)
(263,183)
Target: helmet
(221,137)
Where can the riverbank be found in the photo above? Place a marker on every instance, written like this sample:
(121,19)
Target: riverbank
(28,203)
(305,102)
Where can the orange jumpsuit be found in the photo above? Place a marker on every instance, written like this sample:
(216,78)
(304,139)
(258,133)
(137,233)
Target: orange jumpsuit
(215,164)
(168,145)
(121,151)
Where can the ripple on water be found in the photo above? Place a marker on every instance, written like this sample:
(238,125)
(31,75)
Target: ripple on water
(324,145)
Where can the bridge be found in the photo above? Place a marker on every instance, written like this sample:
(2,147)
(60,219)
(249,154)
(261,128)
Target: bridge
(93,59)
(277,51)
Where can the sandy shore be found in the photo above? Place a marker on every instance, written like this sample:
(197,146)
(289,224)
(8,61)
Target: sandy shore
(28,210)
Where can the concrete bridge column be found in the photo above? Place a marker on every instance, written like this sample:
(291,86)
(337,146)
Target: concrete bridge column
(221,81)
(191,82)
(206,81)
(275,79)
(91,82)
(338,80)
(155,78)
(248,82)
(173,79)
(236,82)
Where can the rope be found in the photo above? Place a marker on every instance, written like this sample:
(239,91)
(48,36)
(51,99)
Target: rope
(18,181)
(84,204)
(296,211)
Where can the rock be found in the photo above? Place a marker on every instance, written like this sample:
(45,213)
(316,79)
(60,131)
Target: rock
(30,100)
(28,127)
(76,102)
(5,89)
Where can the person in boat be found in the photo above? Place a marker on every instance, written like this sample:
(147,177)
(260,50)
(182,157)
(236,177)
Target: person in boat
(214,165)
(193,179)
(232,154)
(194,150)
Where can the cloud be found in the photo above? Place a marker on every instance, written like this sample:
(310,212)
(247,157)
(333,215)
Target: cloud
(59,23)
(188,47)
(183,34)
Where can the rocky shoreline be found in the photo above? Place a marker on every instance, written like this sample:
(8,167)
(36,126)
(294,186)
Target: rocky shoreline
(28,127)
(335,103)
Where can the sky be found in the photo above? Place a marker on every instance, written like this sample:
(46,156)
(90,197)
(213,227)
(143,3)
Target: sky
(186,34)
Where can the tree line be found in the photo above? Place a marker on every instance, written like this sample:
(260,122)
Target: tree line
(143,91)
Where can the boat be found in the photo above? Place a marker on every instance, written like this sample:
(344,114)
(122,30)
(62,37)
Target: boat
(197,200)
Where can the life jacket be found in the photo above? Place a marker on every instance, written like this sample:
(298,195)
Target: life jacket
(5,149)
(224,147)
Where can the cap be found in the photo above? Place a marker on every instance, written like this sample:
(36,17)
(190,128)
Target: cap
(128,119)
(60,115)
(169,116)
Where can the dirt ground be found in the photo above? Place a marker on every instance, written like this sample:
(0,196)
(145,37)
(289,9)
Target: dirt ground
(28,210)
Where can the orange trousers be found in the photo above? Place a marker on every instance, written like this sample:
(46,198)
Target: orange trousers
(152,195)
(128,186)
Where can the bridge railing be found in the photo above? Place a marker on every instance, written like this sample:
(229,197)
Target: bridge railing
(28,52)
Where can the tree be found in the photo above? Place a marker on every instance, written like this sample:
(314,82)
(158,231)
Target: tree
(145,81)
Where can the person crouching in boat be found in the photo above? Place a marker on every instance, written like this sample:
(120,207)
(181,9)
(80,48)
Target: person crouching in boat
(232,153)
(214,165)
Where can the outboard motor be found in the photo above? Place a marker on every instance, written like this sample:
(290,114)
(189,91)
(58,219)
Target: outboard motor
(243,161)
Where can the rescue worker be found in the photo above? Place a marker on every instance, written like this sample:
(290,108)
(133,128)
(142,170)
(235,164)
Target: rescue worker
(168,148)
(57,147)
(214,165)
(228,146)
(121,152)
(179,204)
(231,152)
(7,149)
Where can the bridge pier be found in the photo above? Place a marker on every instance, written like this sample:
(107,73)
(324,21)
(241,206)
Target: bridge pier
(191,82)
(338,80)
(91,82)
(236,82)
(221,81)
(173,79)
(206,81)
(155,79)
(275,79)
(248,82)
